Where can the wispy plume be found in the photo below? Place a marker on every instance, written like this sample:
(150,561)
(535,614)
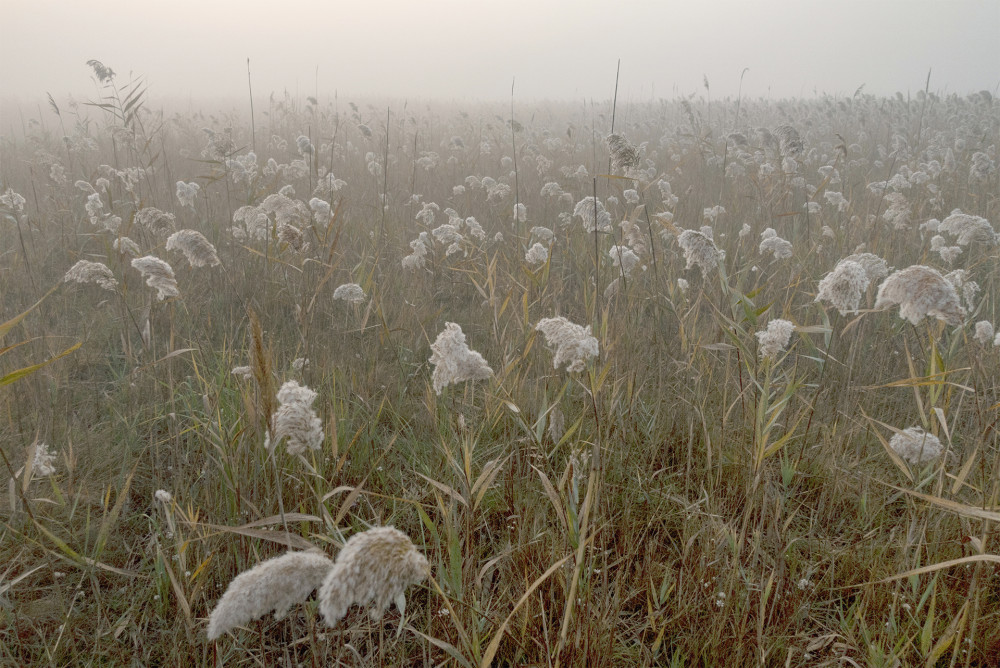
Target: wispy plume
(844,286)
(97,273)
(573,344)
(159,276)
(454,361)
(920,292)
(198,250)
(374,569)
(700,250)
(295,420)
(277,584)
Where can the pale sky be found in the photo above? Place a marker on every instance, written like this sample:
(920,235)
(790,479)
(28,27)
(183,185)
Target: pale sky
(472,49)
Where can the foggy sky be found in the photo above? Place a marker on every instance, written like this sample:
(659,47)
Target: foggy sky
(472,49)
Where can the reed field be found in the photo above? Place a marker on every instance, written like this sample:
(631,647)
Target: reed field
(669,382)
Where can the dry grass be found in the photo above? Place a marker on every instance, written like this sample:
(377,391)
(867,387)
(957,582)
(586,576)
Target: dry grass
(702,506)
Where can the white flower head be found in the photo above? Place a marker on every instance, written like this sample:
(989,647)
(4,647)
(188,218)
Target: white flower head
(875,267)
(775,338)
(418,258)
(198,250)
(968,228)
(296,420)
(844,286)
(916,446)
(373,569)
(920,291)
(159,276)
(772,243)
(593,214)
(276,584)
(126,246)
(624,258)
(700,250)
(350,293)
(573,343)
(43,462)
(454,361)
(984,332)
(537,254)
(186,192)
(91,272)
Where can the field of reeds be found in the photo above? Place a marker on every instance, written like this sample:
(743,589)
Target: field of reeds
(672,382)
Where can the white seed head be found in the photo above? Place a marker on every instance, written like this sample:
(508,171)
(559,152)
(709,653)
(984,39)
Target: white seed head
(700,250)
(772,243)
(373,569)
(984,332)
(968,228)
(296,420)
(155,222)
(774,339)
(198,250)
(85,271)
(454,361)
(537,254)
(276,584)
(573,343)
(844,286)
(158,275)
(875,267)
(920,291)
(43,461)
(350,293)
(916,446)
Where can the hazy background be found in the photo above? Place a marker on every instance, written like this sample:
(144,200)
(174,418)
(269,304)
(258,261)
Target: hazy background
(462,49)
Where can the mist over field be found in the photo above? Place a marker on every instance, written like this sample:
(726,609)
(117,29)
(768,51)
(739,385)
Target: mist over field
(695,362)
(455,50)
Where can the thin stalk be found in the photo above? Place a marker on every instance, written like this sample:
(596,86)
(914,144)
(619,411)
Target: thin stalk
(253,127)
(597,262)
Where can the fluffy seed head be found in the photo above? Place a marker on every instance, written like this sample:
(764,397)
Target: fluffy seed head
(454,361)
(91,272)
(968,228)
(844,286)
(296,420)
(586,209)
(984,332)
(573,343)
(198,250)
(772,243)
(276,584)
(537,254)
(700,250)
(624,155)
(920,291)
(374,569)
(126,246)
(775,338)
(158,275)
(186,192)
(156,222)
(875,267)
(916,446)
(625,258)
(43,461)
(251,223)
(418,258)
(350,293)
